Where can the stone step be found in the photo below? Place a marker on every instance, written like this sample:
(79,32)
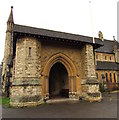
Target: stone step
(60,100)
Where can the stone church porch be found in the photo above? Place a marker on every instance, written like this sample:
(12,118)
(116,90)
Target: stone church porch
(48,64)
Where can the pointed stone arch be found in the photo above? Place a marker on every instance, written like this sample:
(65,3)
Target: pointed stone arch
(70,67)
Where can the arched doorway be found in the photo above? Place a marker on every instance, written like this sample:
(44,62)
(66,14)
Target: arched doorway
(66,64)
(58,81)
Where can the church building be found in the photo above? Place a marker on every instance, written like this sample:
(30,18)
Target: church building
(107,64)
(40,65)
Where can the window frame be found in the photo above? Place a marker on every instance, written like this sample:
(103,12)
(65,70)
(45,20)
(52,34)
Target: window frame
(29,52)
(106,75)
(110,77)
(110,58)
(105,57)
(114,78)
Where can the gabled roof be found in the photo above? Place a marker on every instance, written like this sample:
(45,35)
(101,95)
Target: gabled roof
(55,34)
(101,65)
(108,46)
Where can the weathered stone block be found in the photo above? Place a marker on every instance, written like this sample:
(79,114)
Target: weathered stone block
(27,81)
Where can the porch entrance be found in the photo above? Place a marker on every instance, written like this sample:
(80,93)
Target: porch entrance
(58,81)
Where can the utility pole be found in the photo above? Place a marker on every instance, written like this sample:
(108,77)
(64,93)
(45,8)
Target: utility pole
(91,17)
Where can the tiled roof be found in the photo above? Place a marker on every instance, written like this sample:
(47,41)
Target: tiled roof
(107,65)
(55,34)
(108,47)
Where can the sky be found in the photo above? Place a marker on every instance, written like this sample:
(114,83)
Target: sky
(83,17)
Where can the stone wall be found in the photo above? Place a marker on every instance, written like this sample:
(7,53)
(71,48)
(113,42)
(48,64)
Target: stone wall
(83,58)
(73,52)
(25,65)
(25,96)
(8,46)
(90,66)
(8,51)
(27,85)
(90,85)
(118,56)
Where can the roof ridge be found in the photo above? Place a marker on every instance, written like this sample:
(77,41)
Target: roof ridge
(53,31)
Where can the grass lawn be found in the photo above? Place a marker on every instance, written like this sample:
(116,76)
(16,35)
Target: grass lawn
(5,101)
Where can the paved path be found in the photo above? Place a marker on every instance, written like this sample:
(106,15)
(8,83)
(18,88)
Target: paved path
(106,109)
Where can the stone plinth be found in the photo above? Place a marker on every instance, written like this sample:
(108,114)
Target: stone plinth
(26,92)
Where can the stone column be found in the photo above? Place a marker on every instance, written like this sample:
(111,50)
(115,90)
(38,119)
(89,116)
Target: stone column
(90,84)
(46,87)
(72,87)
(69,85)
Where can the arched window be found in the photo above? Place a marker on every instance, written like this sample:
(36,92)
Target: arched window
(110,58)
(110,77)
(114,78)
(105,57)
(106,77)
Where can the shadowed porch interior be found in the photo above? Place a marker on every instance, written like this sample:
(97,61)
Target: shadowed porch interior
(58,81)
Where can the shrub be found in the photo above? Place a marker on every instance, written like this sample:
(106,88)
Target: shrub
(101,86)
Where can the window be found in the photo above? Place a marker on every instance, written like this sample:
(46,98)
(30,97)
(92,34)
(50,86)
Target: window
(106,77)
(105,57)
(97,75)
(114,78)
(110,77)
(29,51)
(110,58)
(96,56)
